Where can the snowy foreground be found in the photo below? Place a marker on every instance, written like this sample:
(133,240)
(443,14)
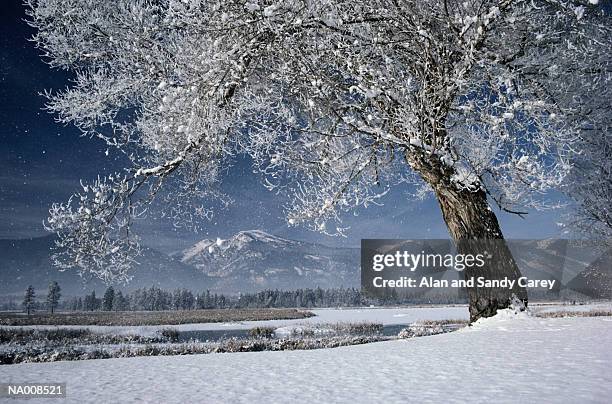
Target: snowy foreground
(505,359)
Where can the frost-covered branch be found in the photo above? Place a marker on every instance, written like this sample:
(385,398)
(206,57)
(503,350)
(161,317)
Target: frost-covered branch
(335,101)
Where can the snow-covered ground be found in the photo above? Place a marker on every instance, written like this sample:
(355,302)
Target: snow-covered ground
(504,359)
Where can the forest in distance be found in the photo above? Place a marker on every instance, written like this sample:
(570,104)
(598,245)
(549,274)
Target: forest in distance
(158,299)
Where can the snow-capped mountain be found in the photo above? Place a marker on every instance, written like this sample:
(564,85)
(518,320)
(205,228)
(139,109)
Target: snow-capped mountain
(254,259)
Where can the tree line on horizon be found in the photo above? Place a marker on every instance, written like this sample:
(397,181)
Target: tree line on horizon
(158,299)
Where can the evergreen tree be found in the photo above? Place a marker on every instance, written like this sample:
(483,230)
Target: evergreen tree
(90,302)
(176,300)
(119,302)
(28,299)
(188,300)
(109,297)
(53,296)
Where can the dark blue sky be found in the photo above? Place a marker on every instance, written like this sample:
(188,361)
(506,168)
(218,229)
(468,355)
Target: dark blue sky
(41,162)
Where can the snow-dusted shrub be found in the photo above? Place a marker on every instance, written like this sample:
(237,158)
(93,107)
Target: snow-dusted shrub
(359,328)
(335,329)
(303,332)
(421,330)
(170,334)
(262,332)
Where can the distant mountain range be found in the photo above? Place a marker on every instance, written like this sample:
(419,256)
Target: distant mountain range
(254,260)
(247,262)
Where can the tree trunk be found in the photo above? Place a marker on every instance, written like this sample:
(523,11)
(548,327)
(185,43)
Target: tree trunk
(475,230)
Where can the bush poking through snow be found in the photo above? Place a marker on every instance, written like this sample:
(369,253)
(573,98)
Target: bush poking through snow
(170,334)
(420,330)
(262,332)
(425,328)
(359,328)
(335,329)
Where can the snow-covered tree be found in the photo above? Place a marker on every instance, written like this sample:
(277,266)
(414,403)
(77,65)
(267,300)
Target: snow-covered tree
(29,299)
(53,296)
(336,101)
(590,183)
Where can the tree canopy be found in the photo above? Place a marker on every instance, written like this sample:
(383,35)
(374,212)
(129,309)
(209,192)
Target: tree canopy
(335,102)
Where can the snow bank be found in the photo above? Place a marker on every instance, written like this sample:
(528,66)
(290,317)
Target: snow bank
(501,317)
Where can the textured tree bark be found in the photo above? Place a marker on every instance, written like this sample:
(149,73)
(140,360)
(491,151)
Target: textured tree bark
(475,230)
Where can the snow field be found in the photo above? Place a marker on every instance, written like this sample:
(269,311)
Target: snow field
(509,358)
